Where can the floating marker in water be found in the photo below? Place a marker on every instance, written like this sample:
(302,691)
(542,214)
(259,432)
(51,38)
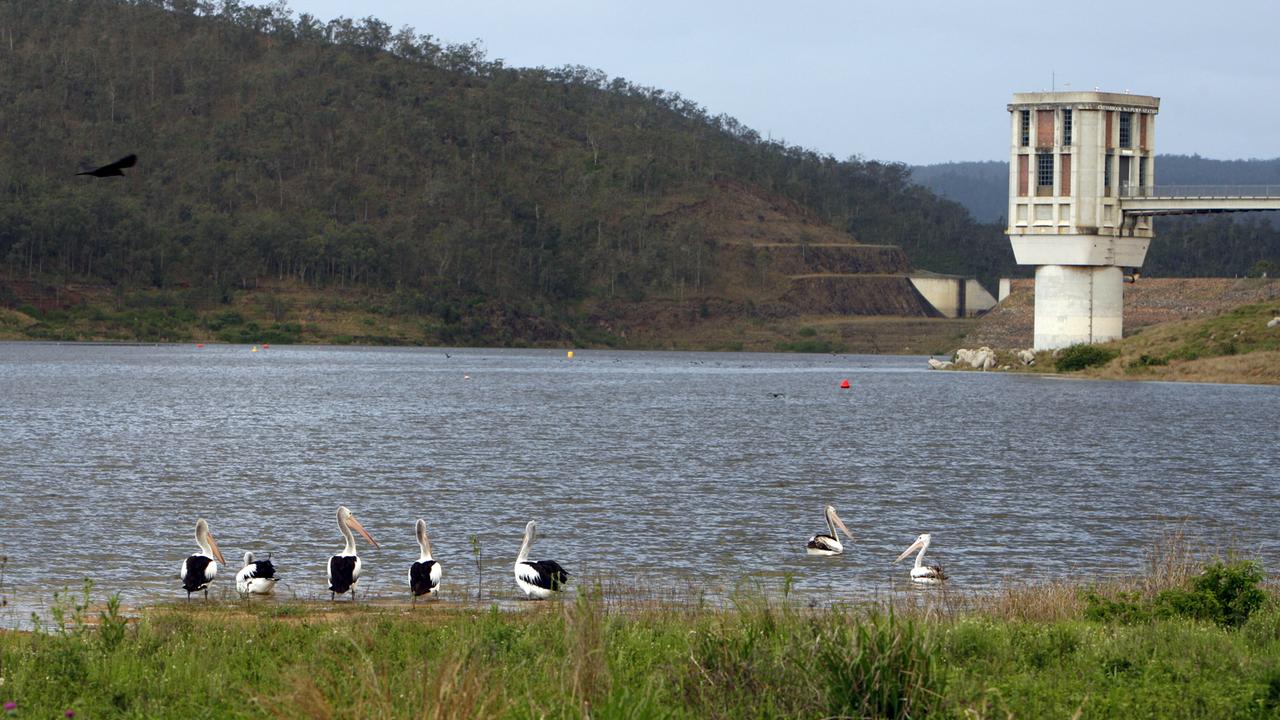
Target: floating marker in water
(569,354)
(265,346)
(199,345)
(255,348)
(844,384)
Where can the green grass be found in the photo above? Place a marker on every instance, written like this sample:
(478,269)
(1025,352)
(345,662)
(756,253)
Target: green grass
(597,656)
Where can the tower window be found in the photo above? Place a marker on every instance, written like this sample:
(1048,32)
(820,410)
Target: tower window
(1126,129)
(1066,127)
(1106,171)
(1025,134)
(1044,172)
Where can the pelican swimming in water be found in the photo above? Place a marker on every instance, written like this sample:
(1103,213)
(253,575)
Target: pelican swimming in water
(344,568)
(829,544)
(257,577)
(199,570)
(424,575)
(539,579)
(922,573)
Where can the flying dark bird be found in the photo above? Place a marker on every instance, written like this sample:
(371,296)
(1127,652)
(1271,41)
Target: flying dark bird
(114,168)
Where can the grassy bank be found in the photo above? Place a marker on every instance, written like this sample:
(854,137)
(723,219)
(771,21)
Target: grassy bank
(1232,347)
(1205,646)
(295,314)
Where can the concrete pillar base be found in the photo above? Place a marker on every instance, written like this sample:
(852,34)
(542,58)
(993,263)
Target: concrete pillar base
(1078,304)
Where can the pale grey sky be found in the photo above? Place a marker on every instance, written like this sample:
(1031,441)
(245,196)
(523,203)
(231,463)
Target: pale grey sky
(916,81)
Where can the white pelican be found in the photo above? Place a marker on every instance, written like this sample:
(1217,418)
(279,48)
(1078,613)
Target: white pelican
(424,575)
(541,578)
(257,577)
(922,573)
(199,570)
(344,568)
(829,544)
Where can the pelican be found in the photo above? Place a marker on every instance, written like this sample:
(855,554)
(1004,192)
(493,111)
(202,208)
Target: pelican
(922,573)
(541,578)
(257,577)
(199,570)
(344,568)
(829,544)
(424,575)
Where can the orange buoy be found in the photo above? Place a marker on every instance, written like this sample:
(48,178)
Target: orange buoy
(844,384)
(265,346)
(199,345)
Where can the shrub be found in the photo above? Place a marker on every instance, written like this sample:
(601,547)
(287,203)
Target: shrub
(1083,355)
(1223,593)
(1145,360)
(1126,608)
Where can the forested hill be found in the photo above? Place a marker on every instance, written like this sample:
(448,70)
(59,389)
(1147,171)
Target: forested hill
(275,145)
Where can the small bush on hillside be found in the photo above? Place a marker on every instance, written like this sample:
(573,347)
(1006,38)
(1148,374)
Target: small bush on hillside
(1145,360)
(1083,355)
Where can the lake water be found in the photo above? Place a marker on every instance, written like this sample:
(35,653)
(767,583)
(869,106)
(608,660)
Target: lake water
(663,470)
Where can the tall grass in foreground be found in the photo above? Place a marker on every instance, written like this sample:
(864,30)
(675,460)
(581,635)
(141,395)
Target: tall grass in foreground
(602,655)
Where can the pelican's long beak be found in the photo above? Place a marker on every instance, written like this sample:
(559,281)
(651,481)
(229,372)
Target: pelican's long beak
(840,524)
(914,547)
(213,545)
(355,525)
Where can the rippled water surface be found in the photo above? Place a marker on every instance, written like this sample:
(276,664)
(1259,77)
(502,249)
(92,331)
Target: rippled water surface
(662,469)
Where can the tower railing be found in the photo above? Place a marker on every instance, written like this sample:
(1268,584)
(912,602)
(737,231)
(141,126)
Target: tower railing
(1200,191)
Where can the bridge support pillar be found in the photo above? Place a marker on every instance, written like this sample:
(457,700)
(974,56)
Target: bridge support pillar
(1078,304)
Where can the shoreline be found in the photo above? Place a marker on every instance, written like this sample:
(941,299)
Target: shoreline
(1053,650)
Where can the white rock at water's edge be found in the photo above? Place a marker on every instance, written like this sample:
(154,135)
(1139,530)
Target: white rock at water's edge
(983,358)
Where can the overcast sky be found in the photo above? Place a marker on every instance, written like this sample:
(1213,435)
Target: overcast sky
(898,80)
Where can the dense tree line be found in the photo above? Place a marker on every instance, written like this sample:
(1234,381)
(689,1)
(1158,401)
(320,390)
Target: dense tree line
(346,152)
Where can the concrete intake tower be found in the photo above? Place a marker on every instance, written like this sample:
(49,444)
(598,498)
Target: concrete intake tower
(1074,156)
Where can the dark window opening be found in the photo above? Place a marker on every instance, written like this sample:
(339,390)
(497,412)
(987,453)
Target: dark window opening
(1066,127)
(1044,174)
(1026,128)
(1126,129)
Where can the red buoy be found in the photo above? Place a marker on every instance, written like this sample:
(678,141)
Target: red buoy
(199,345)
(844,384)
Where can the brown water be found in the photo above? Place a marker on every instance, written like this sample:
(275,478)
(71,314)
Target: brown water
(661,469)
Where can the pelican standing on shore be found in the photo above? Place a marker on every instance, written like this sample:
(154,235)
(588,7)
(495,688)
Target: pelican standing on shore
(257,577)
(344,568)
(199,570)
(539,579)
(922,573)
(829,544)
(424,575)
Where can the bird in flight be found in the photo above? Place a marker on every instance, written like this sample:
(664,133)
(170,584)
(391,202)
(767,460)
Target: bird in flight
(114,168)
